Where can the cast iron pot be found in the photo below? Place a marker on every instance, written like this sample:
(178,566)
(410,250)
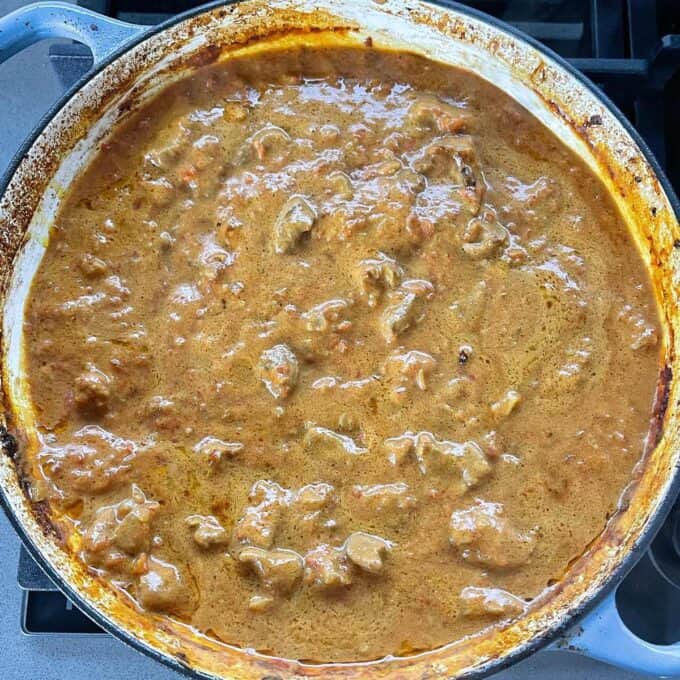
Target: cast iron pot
(131,64)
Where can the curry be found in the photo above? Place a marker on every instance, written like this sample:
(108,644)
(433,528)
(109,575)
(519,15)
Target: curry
(336,354)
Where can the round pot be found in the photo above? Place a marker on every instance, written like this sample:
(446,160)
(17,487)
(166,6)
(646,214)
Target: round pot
(131,64)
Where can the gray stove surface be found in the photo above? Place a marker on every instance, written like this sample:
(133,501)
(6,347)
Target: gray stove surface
(28,87)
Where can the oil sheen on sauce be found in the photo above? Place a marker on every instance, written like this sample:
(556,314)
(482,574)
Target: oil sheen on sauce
(337,354)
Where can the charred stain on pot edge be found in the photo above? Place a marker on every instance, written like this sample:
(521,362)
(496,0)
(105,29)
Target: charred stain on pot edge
(594,120)
(8,443)
(42,513)
(661,397)
(183,659)
(206,56)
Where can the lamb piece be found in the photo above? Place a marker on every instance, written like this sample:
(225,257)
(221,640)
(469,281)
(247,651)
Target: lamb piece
(308,516)
(133,531)
(98,548)
(430,111)
(163,413)
(92,266)
(377,274)
(643,335)
(384,499)
(314,497)
(490,602)
(440,456)
(120,531)
(267,139)
(404,307)
(258,524)
(483,535)
(506,404)
(340,184)
(327,567)
(278,369)
(93,391)
(216,450)
(260,603)
(454,159)
(163,588)
(297,217)
(485,236)
(207,530)
(325,316)
(411,367)
(279,570)
(367,551)
(94,462)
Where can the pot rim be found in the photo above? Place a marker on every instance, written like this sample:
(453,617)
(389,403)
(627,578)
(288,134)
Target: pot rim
(570,616)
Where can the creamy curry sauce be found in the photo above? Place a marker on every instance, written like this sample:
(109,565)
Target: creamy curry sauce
(337,354)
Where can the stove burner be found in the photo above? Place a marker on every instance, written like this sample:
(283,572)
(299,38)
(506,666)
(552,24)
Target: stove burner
(629,48)
(648,600)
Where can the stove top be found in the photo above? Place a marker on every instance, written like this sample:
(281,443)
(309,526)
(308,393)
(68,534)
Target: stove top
(631,49)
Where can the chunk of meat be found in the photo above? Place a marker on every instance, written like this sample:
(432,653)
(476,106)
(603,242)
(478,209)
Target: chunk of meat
(207,530)
(278,369)
(506,404)
(404,307)
(163,588)
(643,334)
(377,274)
(483,535)
(340,184)
(410,367)
(119,531)
(258,524)
(92,391)
(133,530)
(490,602)
(279,569)
(430,111)
(309,513)
(440,456)
(93,463)
(327,567)
(383,499)
(367,551)
(260,603)
(454,159)
(484,236)
(163,413)
(93,267)
(297,217)
(314,497)
(216,450)
(327,315)
(268,139)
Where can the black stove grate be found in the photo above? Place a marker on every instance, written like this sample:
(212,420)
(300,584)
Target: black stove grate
(631,50)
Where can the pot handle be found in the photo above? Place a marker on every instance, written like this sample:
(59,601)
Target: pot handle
(41,20)
(602,635)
